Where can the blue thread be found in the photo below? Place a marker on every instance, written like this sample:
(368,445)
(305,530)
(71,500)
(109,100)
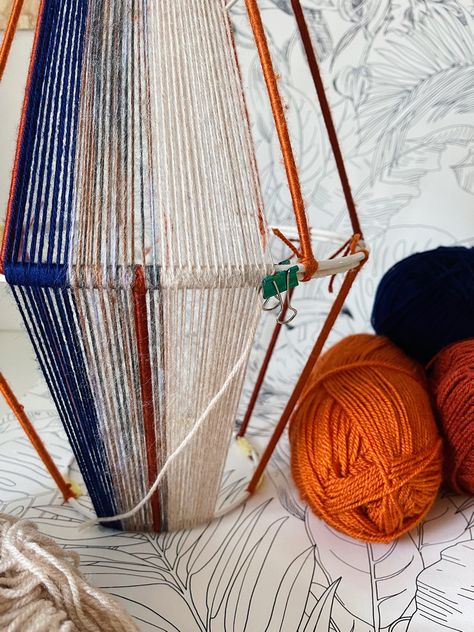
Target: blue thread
(63,365)
(15,226)
(36,274)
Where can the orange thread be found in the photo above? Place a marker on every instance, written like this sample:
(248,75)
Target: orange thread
(143,345)
(294,185)
(365,450)
(9,34)
(35,439)
(349,247)
(266,361)
(287,242)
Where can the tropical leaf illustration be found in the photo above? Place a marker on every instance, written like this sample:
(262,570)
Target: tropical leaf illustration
(387,573)
(411,87)
(320,618)
(445,591)
(445,525)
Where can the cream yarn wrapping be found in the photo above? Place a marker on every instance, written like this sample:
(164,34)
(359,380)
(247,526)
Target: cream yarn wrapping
(42,590)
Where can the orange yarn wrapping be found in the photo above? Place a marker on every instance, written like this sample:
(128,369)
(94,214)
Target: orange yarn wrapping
(307,256)
(451,375)
(366,453)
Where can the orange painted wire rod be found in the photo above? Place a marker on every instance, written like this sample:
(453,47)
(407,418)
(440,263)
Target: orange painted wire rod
(349,246)
(9,34)
(263,369)
(307,259)
(35,439)
(302,380)
(326,112)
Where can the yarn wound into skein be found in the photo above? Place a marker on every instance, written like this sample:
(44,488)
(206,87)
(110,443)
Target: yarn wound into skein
(42,590)
(426,301)
(451,374)
(366,454)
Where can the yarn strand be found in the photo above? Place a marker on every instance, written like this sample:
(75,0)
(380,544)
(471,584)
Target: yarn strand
(308,259)
(42,589)
(326,112)
(182,446)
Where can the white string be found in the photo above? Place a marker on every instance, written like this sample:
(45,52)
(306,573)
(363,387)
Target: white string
(180,449)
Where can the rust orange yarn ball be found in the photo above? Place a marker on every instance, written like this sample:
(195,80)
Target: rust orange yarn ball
(365,450)
(451,375)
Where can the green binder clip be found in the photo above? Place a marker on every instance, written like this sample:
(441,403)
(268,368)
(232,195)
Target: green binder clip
(281,281)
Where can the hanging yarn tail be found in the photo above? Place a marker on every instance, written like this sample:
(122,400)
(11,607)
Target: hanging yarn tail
(238,367)
(42,590)
(365,449)
(451,375)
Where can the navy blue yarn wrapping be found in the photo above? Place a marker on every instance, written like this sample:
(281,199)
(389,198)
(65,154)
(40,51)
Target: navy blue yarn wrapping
(60,356)
(23,261)
(40,284)
(426,301)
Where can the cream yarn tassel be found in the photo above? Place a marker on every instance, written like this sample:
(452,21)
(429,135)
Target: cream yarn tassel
(42,590)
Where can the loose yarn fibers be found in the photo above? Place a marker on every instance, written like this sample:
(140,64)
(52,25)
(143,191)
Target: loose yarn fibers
(365,449)
(451,375)
(42,590)
(426,301)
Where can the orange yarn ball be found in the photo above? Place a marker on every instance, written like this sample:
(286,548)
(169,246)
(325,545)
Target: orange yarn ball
(451,375)
(365,450)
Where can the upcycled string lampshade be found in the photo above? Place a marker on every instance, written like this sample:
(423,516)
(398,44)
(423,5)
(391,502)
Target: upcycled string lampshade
(135,239)
(135,244)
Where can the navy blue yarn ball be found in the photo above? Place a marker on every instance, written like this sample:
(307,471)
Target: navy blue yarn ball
(426,301)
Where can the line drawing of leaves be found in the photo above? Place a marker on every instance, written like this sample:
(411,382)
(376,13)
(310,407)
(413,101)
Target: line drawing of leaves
(320,617)
(320,33)
(387,572)
(287,613)
(464,172)
(21,472)
(445,591)
(444,525)
(400,184)
(415,80)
